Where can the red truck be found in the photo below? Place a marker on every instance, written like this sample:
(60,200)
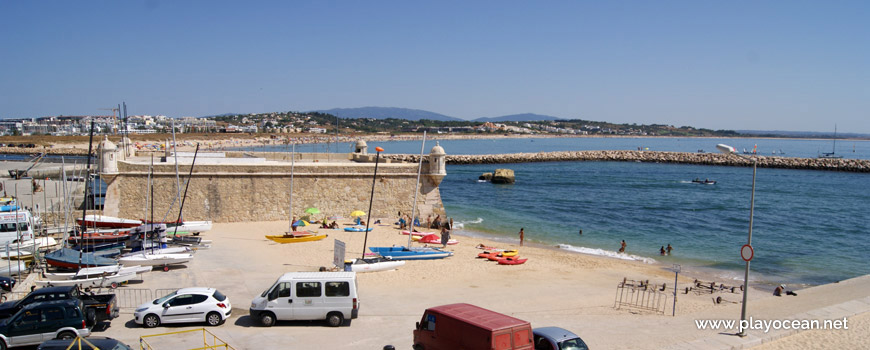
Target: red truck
(469,327)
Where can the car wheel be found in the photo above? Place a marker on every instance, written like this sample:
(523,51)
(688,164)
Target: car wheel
(2,345)
(213,319)
(151,321)
(267,319)
(334,319)
(66,335)
(91,317)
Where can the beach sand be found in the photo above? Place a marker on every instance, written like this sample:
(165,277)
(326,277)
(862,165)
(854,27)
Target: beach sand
(554,288)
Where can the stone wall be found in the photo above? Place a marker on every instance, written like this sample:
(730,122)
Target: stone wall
(237,193)
(850,165)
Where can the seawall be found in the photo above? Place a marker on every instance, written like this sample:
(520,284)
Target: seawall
(847,165)
(228,190)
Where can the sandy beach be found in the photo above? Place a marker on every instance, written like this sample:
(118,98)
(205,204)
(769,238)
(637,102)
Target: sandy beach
(554,288)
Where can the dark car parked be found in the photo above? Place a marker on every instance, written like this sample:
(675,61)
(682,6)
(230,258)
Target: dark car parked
(97,308)
(38,322)
(103,343)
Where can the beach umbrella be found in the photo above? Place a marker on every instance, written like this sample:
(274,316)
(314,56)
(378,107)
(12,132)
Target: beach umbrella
(312,211)
(301,223)
(357,213)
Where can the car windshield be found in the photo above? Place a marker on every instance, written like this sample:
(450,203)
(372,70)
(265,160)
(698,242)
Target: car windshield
(163,299)
(573,344)
(219,296)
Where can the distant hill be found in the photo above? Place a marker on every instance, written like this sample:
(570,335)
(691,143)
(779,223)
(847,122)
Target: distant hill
(518,118)
(803,134)
(387,112)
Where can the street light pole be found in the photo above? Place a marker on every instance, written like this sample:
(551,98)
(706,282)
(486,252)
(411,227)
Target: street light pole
(731,150)
(742,332)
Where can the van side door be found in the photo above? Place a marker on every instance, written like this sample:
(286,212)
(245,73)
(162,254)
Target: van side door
(338,298)
(309,301)
(281,301)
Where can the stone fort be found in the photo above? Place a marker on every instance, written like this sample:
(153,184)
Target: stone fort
(256,186)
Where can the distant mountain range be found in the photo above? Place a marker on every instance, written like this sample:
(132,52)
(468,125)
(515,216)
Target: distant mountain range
(387,112)
(417,114)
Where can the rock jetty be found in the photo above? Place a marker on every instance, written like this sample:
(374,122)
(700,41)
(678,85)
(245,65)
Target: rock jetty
(846,165)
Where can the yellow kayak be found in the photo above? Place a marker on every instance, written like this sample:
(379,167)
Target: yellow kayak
(508,253)
(294,238)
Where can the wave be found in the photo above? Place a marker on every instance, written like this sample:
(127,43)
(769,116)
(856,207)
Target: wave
(461,224)
(607,253)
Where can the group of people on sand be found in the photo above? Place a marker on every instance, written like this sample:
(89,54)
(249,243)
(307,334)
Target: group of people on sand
(445,224)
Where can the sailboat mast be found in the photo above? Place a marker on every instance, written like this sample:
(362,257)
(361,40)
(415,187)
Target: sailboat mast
(186,186)
(85,204)
(290,208)
(417,186)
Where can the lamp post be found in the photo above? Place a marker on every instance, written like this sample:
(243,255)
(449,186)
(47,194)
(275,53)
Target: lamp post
(746,251)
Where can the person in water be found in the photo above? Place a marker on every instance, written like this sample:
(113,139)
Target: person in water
(522,236)
(669,248)
(622,247)
(662,251)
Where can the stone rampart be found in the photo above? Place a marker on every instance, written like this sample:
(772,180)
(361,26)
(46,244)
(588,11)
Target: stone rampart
(848,165)
(261,192)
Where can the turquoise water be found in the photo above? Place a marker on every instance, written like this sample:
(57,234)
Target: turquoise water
(810,227)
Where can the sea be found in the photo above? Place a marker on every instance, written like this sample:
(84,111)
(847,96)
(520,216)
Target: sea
(809,227)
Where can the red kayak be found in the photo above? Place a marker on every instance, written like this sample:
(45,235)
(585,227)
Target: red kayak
(486,255)
(513,260)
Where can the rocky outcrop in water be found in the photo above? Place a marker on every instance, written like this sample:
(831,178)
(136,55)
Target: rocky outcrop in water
(503,176)
(848,165)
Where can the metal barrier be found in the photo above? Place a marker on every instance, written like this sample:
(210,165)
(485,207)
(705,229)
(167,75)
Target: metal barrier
(640,297)
(180,340)
(132,297)
(164,291)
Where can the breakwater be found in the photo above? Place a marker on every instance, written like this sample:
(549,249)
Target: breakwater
(846,165)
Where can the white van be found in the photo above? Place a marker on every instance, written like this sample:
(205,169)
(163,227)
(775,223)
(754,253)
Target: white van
(330,296)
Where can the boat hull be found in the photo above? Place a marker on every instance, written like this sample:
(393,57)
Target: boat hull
(155,259)
(108,221)
(374,265)
(296,239)
(402,253)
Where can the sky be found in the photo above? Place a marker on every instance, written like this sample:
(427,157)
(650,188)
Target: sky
(758,65)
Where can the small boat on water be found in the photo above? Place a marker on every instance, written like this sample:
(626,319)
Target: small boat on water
(296,237)
(373,264)
(404,253)
(704,182)
(108,221)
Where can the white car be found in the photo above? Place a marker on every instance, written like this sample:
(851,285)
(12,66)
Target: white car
(195,304)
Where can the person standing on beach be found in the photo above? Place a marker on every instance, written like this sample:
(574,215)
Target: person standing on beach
(445,235)
(669,248)
(522,236)
(622,248)
(293,224)
(429,221)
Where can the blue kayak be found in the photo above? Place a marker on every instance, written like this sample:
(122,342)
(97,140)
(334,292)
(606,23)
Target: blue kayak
(402,253)
(358,229)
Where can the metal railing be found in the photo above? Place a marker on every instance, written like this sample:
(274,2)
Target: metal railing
(209,340)
(640,296)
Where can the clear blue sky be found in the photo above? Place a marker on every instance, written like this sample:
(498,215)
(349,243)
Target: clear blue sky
(774,65)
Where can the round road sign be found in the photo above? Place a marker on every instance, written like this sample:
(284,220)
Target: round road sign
(746,252)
